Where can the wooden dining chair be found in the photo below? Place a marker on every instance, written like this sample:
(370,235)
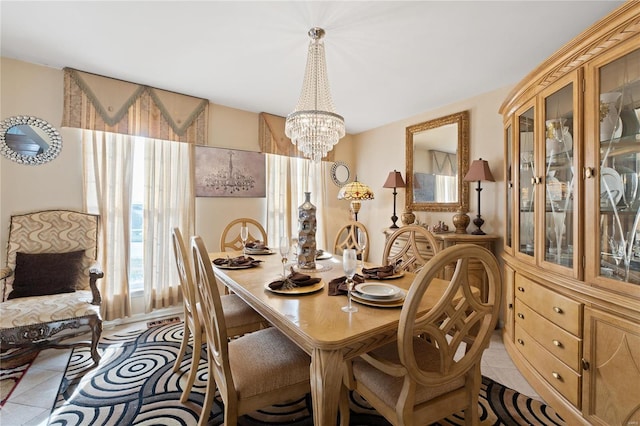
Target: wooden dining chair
(240,317)
(422,377)
(253,371)
(230,239)
(347,237)
(411,247)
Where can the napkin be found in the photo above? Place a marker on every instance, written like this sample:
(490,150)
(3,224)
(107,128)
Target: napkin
(338,286)
(256,245)
(236,261)
(379,272)
(293,280)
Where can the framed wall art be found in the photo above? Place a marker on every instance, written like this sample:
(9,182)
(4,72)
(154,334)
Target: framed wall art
(224,172)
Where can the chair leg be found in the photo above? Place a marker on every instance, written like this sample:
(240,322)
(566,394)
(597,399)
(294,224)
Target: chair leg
(186,333)
(471,413)
(193,369)
(96,332)
(209,394)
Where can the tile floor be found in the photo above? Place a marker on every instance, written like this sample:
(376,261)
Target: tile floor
(32,400)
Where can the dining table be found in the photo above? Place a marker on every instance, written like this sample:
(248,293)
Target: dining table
(315,321)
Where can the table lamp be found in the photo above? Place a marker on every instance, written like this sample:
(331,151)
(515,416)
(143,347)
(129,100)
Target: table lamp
(355,192)
(394,180)
(479,171)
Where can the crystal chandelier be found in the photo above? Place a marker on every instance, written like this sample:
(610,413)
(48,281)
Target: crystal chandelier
(314,127)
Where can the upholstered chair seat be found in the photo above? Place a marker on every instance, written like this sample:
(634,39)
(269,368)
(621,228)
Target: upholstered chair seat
(34,310)
(432,370)
(240,317)
(48,288)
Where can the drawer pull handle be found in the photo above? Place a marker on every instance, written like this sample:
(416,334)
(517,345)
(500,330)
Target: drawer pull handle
(510,305)
(521,289)
(520,315)
(558,343)
(521,342)
(556,376)
(585,364)
(557,310)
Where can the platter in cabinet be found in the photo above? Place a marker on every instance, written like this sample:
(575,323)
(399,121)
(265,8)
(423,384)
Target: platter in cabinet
(611,187)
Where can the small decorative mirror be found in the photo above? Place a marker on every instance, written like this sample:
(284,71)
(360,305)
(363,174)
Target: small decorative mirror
(340,173)
(437,159)
(29,140)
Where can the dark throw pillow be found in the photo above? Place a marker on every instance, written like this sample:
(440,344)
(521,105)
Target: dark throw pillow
(39,274)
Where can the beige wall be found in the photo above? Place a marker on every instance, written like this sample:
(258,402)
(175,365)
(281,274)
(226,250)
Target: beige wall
(382,150)
(28,89)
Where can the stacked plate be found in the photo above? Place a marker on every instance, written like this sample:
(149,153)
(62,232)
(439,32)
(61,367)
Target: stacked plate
(259,250)
(378,294)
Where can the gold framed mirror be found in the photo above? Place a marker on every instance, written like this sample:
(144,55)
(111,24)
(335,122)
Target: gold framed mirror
(437,155)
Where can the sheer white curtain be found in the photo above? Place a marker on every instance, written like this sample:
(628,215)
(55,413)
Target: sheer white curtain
(169,202)
(446,188)
(288,178)
(109,160)
(108,165)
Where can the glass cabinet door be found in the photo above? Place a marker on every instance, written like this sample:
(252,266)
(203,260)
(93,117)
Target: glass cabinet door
(526,183)
(560,177)
(508,240)
(619,168)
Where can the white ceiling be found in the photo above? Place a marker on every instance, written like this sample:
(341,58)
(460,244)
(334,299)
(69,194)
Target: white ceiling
(387,60)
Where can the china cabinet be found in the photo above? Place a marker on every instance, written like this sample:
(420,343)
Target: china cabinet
(572,241)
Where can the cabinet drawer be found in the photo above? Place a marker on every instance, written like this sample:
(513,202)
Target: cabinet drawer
(561,377)
(562,344)
(558,309)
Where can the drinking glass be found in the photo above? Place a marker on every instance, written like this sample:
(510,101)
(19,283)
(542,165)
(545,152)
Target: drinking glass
(284,252)
(244,234)
(349,264)
(362,243)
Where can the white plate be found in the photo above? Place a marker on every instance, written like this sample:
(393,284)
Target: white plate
(384,300)
(378,290)
(324,256)
(260,252)
(610,183)
(360,298)
(298,290)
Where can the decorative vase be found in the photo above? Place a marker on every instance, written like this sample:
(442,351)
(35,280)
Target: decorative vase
(610,123)
(461,220)
(307,234)
(408,217)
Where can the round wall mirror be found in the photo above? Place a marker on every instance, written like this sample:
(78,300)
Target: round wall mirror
(340,173)
(29,140)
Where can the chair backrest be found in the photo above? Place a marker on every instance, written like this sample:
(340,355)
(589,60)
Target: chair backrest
(53,231)
(187,286)
(230,239)
(413,246)
(448,325)
(347,237)
(216,327)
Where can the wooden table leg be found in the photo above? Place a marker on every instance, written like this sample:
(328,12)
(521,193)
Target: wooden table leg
(326,379)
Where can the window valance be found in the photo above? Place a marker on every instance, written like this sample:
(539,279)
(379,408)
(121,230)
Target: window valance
(273,140)
(101,103)
(444,163)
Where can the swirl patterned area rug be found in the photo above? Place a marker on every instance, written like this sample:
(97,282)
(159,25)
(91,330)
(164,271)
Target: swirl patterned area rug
(135,384)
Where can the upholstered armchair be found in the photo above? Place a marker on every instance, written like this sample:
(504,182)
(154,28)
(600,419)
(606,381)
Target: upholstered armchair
(48,287)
